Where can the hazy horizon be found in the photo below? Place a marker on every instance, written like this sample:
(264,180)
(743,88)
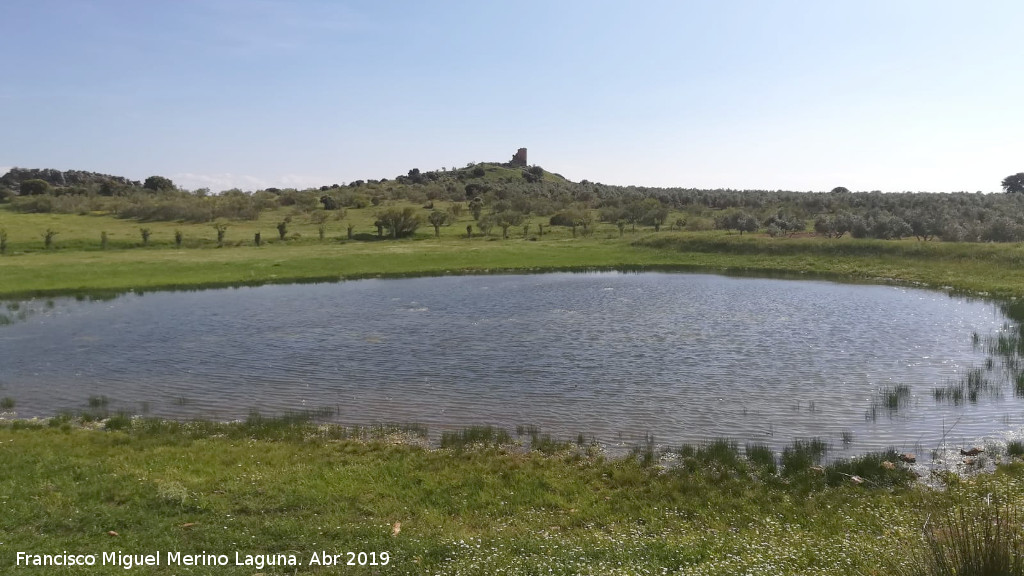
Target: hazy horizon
(919,96)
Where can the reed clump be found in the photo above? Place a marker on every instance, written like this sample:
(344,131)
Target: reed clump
(972,538)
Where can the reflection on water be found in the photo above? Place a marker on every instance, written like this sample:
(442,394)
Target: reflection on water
(614,356)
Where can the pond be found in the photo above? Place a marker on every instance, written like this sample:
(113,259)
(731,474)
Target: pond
(613,356)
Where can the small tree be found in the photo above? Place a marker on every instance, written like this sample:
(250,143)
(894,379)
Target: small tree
(476,207)
(438,219)
(739,220)
(103,240)
(178,237)
(507,219)
(48,238)
(833,226)
(221,229)
(485,224)
(257,239)
(145,232)
(1014,184)
(654,213)
(469,230)
(282,228)
(329,202)
(3,240)
(350,228)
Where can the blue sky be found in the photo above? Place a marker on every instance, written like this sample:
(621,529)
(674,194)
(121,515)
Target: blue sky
(907,95)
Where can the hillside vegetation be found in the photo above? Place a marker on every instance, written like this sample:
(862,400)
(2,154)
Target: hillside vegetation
(501,196)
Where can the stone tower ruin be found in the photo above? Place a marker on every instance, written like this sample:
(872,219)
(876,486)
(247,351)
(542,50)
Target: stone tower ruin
(520,158)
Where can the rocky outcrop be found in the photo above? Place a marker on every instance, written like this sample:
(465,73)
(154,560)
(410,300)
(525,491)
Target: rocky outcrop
(58,178)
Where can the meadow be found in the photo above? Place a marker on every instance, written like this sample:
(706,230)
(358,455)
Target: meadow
(486,503)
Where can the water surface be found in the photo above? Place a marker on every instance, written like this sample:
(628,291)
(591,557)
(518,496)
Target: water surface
(615,356)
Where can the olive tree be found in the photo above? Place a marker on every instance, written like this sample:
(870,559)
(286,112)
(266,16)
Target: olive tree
(399,222)
(437,219)
(507,219)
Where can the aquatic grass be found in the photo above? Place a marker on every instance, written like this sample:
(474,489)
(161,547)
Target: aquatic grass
(62,417)
(292,424)
(722,451)
(545,444)
(6,403)
(762,457)
(646,453)
(526,430)
(970,387)
(889,398)
(120,421)
(879,469)
(1015,448)
(475,436)
(409,429)
(847,437)
(895,397)
(798,457)
(99,401)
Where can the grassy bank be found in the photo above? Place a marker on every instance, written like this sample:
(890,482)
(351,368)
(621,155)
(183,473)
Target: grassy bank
(77,264)
(270,487)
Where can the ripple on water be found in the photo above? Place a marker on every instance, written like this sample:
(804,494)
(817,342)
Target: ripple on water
(684,357)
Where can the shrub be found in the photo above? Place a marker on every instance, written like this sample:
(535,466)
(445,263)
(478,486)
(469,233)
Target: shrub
(48,238)
(34,187)
(399,222)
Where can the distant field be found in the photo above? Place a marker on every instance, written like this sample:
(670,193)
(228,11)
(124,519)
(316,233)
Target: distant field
(76,261)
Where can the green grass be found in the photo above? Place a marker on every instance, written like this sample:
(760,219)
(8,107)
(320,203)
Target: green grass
(175,486)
